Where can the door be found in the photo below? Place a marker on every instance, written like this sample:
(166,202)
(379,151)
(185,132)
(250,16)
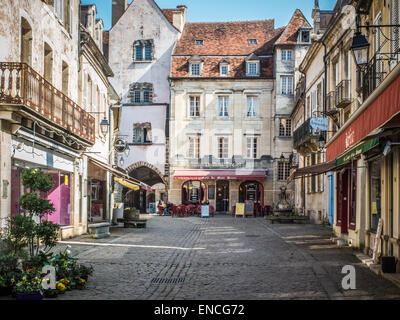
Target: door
(331,191)
(223,196)
(343,200)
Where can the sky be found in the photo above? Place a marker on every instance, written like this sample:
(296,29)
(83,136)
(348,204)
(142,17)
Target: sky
(228,10)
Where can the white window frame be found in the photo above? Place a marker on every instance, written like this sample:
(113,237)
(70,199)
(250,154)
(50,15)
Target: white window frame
(222,148)
(287,85)
(200,69)
(194,106)
(223,106)
(222,66)
(252,107)
(252,148)
(287,55)
(194,147)
(257,69)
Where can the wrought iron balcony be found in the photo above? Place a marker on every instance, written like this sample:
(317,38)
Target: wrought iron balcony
(304,135)
(331,103)
(21,86)
(343,94)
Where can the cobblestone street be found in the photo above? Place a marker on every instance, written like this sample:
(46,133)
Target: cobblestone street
(221,258)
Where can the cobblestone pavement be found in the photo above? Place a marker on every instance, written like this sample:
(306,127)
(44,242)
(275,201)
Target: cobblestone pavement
(222,258)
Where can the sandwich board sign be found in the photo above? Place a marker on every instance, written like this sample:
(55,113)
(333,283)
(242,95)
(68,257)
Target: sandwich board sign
(239,210)
(153,208)
(205,211)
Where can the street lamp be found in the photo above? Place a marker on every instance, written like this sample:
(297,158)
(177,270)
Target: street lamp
(360,49)
(321,141)
(104,125)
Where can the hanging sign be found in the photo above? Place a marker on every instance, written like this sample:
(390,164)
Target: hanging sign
(120,145)
(321,124)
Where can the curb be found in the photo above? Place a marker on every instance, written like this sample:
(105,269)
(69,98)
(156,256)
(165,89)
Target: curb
(377,269)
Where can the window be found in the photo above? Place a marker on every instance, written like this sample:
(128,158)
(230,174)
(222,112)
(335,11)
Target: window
(252,68)
(195,106)
(48,62)
(143,50)
(283,171)
(199,42)
(223,148)
(26,42)
(252,106)
(142,133)
(286,55)
(65,78)
(305,36)
(287,85)
(251,148)
(141,93)
(252,41)
(223,107)
(285,128)
(195,69)
(58,8)
(67,15)
(224,70)
(194,148)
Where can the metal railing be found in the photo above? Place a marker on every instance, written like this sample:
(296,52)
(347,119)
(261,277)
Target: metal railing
(303,134)
(21,85)
(330,100)
(343,94)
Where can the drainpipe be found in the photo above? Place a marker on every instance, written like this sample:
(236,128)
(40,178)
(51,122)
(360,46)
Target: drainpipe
(326,194)
(110,131)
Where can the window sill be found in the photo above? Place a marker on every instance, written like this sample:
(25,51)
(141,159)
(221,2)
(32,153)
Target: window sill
(142,144)
(143,61)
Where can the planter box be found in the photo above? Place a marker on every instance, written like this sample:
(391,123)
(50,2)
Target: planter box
(99,230)
(29,296)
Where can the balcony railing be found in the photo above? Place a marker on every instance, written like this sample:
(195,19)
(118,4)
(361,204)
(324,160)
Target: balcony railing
(21,85)
(376,71)
(331,103)
(303,134)
(343,94)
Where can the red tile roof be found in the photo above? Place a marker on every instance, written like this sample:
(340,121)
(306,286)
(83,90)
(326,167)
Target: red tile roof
(289,36)
(226,41)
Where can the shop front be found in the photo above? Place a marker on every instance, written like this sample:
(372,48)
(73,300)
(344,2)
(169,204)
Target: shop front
(97,192)
(61,169)
(222,189)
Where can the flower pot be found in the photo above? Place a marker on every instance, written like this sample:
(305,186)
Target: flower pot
(5,291)
(388,264)
(29,296)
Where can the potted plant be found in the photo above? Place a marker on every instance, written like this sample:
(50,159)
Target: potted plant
(84,271)
(80,283)
(29,287)
(131,214)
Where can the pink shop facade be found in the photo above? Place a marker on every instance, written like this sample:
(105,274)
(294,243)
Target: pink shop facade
(56,163)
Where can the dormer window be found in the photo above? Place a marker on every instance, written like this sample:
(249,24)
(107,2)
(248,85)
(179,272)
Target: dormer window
(252,41)
(195,66)
(224,68)
(253,66)
(199,42)
(143,50)
(305,36)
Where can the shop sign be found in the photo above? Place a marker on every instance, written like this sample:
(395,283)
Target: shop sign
(120,145)
(239,209)
(321,124)
(357,151)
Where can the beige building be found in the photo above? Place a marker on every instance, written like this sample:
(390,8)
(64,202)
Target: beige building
(45,122)
(223,116)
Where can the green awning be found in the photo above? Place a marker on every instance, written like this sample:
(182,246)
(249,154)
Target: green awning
(357,151)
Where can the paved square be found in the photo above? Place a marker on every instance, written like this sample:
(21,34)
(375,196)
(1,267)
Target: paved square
(222,258)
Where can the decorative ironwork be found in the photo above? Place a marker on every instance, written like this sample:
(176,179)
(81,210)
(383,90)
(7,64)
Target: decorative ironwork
(331,103)
(21,85)
(343,94)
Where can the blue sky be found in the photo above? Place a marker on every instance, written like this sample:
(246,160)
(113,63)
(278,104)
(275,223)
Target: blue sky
(228,10)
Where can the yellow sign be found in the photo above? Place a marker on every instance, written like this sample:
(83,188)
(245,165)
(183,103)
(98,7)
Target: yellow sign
(374,209)
(66,180)
(239,209)
(127,184)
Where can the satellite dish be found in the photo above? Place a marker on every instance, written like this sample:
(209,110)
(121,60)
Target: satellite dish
(349,19)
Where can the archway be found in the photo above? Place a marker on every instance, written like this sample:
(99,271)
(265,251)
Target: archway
(149,175)
(251,191)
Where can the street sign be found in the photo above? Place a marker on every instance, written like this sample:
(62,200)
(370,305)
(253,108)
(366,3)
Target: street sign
(120,145)
(321,124)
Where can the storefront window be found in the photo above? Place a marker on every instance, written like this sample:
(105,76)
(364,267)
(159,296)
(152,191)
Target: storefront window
(97,197)
(375,193)
(251,191)
(193,192)
(59,195)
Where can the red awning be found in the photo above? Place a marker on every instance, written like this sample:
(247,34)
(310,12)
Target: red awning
(384,108)
(219,175)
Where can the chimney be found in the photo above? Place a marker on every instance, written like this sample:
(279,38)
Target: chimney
(118,9)
(179,17)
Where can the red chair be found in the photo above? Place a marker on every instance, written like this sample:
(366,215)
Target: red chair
(191,210)
(198,210)
(267,210)
(212,211)
(181,211)
(174,211)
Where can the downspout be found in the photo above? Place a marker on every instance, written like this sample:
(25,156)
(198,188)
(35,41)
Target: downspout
(326,194)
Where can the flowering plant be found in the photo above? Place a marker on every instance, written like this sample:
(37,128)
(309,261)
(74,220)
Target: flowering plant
(61,287)
(29,283)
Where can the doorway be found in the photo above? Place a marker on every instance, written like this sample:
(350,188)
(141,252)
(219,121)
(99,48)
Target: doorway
(343,200)
(222,203)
